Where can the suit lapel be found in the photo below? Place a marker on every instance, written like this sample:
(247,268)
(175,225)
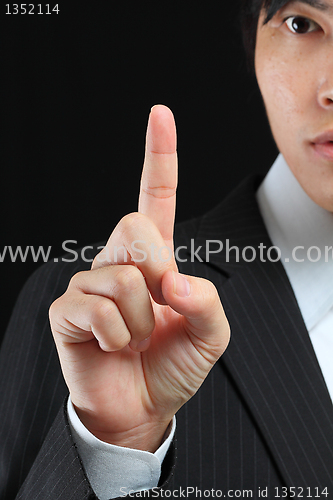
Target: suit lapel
(270,355)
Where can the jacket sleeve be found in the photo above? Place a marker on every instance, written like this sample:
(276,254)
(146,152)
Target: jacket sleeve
(57,471)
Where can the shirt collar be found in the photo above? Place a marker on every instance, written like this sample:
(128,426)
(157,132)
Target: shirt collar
(293,220)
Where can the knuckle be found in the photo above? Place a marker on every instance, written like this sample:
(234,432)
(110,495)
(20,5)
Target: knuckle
(210,296)
(100,260)
(58,308)
(160,192)
(78,280)
(104,319)
(103,310)
(128,279)
(131,221)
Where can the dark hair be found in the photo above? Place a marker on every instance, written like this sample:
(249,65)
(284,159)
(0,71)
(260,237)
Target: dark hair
(250,12)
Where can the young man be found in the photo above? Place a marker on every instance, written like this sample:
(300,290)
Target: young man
(137,341)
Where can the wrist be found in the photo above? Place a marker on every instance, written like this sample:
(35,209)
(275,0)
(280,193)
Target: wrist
(147,436)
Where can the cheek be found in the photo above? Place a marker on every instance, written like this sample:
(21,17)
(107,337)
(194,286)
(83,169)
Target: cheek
(279,93)
(284,82)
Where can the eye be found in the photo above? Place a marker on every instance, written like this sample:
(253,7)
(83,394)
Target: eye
(301,25)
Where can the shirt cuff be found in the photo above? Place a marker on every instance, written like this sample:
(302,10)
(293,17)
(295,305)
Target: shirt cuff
(115,471)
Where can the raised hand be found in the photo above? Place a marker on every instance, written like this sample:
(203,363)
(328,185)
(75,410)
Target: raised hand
(135,338)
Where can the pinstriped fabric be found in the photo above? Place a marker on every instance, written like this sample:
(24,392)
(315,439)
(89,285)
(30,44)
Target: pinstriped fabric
(31,384)
(288,409)
(262,418)
(270,357)
(59,456)
(220,426)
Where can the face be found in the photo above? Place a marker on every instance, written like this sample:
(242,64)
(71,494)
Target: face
(294,68)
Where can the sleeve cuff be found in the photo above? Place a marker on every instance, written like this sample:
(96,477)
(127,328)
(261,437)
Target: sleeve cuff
(115,471)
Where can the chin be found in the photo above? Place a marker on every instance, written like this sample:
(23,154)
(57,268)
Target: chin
(315,175)
(323,196)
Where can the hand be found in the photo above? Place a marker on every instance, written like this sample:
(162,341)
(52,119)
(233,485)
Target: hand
(137,339)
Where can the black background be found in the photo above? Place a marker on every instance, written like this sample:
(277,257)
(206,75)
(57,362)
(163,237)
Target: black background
(77,88)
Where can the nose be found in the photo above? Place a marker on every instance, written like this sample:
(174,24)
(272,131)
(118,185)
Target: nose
(325,95)
(325,91)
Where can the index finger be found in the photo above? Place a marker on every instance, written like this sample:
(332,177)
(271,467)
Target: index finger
(157,198)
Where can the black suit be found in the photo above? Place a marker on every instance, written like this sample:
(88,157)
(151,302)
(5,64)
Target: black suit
(263,418)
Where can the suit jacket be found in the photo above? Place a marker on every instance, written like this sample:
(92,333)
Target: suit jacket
(262,419)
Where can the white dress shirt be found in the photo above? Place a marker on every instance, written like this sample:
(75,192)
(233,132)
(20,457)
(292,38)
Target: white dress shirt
(292,220)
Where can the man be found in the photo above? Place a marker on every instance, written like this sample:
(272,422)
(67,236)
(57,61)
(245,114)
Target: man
(137,341)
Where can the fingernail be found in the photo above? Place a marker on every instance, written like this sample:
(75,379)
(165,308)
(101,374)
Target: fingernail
(181,286)
(140,346)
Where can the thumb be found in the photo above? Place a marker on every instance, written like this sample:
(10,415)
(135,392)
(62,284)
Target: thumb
(197,300)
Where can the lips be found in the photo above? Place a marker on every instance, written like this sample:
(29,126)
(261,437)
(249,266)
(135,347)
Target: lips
(323,145)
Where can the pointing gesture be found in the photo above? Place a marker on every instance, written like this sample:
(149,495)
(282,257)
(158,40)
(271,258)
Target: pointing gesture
(135,338)
(157,197)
